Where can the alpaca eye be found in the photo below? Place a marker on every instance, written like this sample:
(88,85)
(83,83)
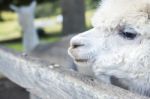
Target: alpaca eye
(128,35)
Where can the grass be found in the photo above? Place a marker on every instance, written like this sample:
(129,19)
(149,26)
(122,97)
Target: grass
(10,29)
(8,16)
(16,46)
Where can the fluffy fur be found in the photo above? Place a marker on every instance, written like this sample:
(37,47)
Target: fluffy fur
(105,52)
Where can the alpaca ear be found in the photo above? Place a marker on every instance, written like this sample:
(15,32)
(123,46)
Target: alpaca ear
(33,5)
(13,7)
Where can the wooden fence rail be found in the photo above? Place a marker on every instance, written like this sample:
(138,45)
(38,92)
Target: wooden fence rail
(48,82)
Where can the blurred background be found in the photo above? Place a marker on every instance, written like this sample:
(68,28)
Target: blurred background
(53,19)
(49,16)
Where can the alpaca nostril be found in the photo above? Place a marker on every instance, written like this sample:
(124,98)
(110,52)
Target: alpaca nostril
(77,45)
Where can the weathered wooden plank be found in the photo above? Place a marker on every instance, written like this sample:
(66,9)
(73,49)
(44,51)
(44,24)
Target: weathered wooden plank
(34,97)
(47,82)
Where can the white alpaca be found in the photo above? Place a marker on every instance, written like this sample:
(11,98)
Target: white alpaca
(118,45)
(26,21)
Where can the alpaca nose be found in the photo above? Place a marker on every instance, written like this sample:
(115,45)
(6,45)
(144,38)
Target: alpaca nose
(75,43)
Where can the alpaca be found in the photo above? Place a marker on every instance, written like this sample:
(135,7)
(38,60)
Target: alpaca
(53,52)
(118,45)
(26,21)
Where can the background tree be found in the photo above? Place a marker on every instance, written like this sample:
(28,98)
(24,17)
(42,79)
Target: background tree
(73,16)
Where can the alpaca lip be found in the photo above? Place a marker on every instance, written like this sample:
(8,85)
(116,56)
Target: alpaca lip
(81,60)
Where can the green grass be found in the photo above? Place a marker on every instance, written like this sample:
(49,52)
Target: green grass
(18,46)
(8,16)
(9,30)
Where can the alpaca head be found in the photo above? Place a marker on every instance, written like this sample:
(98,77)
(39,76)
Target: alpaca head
(119,43)
(25,14)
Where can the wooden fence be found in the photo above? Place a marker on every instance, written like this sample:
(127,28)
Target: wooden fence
(45,81)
